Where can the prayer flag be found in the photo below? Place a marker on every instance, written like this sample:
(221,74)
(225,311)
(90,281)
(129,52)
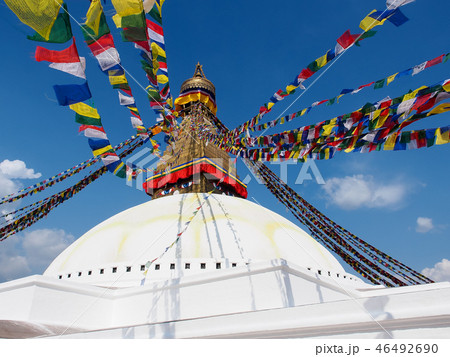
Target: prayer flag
(76,68)
(125,100)
(91,131)
(61,31)
(434,61)
(128,7)
(85,110)
(39,15)
(393,4)
(68,55)
(72,93)
(371,20)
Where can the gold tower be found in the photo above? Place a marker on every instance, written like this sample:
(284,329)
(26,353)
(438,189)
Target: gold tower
(189,164)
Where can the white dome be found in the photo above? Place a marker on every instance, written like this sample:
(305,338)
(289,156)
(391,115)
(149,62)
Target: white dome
(226,232)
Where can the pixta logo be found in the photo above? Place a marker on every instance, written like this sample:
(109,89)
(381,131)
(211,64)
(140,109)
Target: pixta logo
(308,172)
(144,163)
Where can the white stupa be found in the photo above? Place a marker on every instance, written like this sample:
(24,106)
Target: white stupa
(237,270)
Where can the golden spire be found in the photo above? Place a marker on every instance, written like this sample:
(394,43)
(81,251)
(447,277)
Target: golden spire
(198,81)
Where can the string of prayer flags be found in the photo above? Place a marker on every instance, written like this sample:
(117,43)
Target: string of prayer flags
(376,85)
(55,200)
(154,64)
(101,43)
(41,186)
(345,133)
(344,41)
(373,264)
(61,31)
(40,16)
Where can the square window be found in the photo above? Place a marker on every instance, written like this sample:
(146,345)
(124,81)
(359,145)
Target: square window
(128,269)
(202,265)
(102,271)
(172,266)
(320,272)
(233,265)
(114,270)
(90,272)
(60,277)
(79,273)
(142,267)
(157,267)
(187,266)
(218,265)
(69,275)
(337,275)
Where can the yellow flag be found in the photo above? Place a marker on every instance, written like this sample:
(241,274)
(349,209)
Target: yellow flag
(390,79)
(128,7)
(85,110)
(270,105)
(381,121)
(441,108)
(102,150)
(163,79)
(93,16)
(290,88)
(117,20)
(118,79)
(158,49)
(369,22)
(390,142)
(328,127)
(442,138)
(39,15)
(321,61)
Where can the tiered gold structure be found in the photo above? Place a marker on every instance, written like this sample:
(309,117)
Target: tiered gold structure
(188,147)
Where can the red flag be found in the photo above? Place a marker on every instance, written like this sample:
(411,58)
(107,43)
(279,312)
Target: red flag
(102,44)
(305,73)
(69,55)
(347,39)
(435,61)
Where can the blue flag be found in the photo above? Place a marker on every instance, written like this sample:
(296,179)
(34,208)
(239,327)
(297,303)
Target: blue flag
(72,93)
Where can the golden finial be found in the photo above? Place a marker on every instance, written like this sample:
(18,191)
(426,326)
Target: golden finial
(198,71)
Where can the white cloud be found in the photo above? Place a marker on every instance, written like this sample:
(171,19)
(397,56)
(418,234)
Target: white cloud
(424,224)
(13,267)
(356,191)
(43,245)
(17,169)
(31,252)
(7,186)
(10,171)
(440,271)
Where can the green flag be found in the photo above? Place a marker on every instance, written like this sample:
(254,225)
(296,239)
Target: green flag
(61,31)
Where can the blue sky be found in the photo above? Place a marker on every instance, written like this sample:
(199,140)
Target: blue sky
(397,201)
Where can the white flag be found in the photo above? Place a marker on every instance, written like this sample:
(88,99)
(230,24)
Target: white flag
(108,58)
(75,68)
(393,4)
(125,100)
(419,68)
